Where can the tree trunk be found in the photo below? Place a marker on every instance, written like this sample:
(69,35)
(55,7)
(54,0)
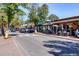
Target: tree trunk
(2,30)
(6,34)
(6,30)
(35,28)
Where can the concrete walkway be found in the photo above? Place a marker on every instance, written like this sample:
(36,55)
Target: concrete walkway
(9,48)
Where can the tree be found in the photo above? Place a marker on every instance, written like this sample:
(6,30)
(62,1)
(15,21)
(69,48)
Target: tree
(53,17)
(43,12)
(38,14)
(16,23)
(2,13)
(10,9)
(33,18)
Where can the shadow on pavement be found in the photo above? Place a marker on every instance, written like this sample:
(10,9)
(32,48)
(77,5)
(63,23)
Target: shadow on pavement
(62,48)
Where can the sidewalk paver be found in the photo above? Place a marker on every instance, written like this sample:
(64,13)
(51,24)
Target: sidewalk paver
(9,48)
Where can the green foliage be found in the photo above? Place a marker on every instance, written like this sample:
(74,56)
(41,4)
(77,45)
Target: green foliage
(11,9)
(53,17)
(5,19)
(16,23)
(38,14)
(33,14)
(43,12)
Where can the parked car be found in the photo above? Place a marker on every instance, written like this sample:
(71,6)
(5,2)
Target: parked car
(47,31)
(17,29)
(30,30)
(27,29)
(13,29)
(77,33)
(22,30)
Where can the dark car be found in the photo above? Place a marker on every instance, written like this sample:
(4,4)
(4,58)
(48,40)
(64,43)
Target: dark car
(30,30)
(22,30)
(47,31)
(13,29)
(17,29)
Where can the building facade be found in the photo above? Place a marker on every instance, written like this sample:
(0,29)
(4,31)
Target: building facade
(70,25)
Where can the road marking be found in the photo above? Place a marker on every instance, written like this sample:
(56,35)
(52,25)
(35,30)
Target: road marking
(17,47)
(22,51)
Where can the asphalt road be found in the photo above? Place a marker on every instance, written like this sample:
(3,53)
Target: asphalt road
(45,45)
(31,45)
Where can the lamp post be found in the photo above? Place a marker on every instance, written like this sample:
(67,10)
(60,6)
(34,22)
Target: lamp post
(3,27)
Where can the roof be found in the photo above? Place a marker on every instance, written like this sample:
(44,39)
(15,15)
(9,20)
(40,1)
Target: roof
(73,17)
(69,19)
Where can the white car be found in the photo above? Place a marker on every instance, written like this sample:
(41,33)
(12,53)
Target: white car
(27,29)
(77,32)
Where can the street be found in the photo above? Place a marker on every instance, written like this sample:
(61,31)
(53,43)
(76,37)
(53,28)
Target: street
(45,45)
(34,29)
(29,43)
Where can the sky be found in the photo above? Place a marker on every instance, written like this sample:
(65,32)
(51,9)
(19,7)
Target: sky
(62,10)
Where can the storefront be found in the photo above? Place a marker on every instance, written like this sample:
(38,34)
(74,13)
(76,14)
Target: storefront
(68,24)
(61,26)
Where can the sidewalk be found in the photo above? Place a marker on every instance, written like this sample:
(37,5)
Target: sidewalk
(62,37)
(9,48)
